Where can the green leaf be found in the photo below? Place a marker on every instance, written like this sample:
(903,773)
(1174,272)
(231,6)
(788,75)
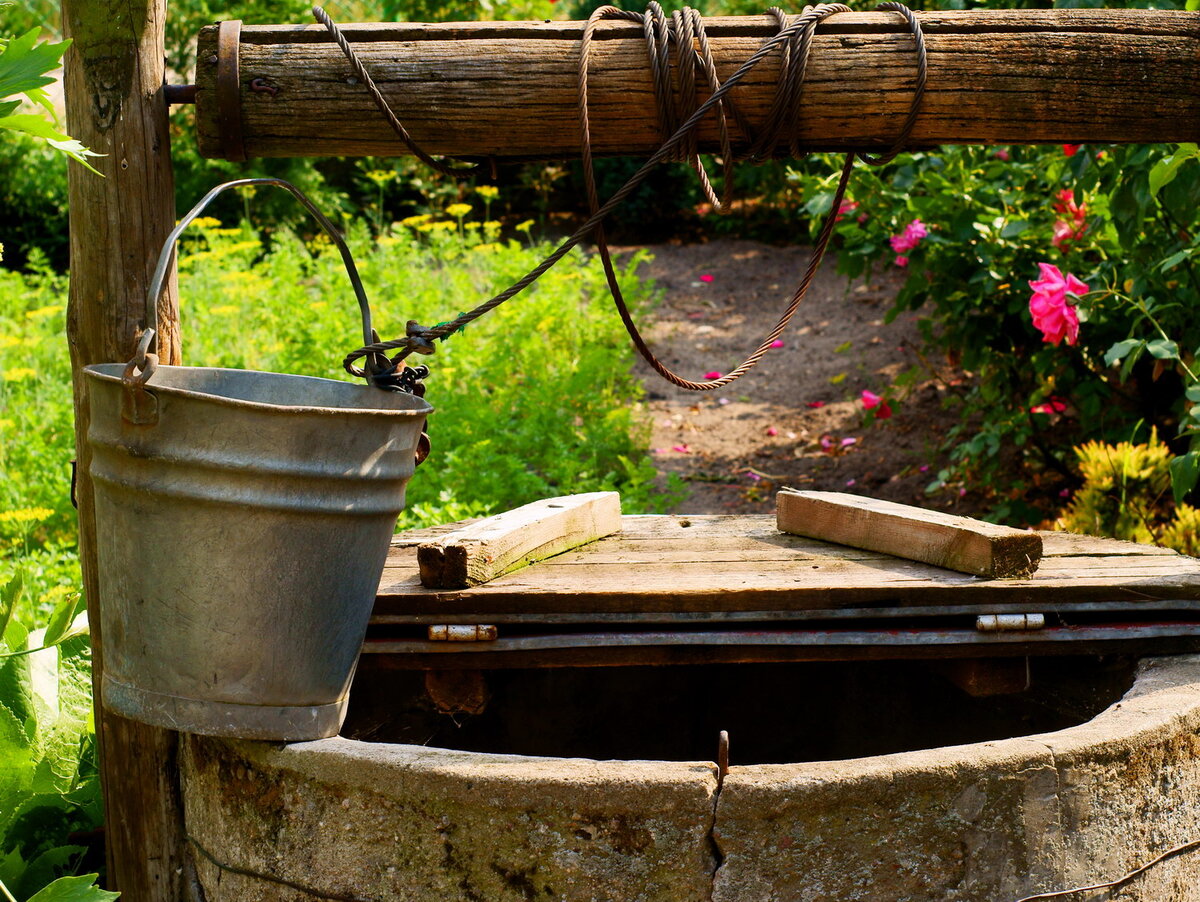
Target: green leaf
(1193,392)
(40,128)
(1192,5)
(16,692)
(1015,228)
(24,63)
(1174,260)
(1185,469)
(60,620)
(74,889)
(1165,170)
(1163,349)
(1118,351)
(9,595)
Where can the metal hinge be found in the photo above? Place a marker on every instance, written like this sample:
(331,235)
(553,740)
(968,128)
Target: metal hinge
(1003,623)
(457,632)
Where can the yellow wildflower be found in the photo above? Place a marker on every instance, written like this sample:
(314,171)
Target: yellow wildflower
(472,226)
(415,220)
(25,515)
(486,248)
(6,424)
(19,374)
(9,341)
(487,192)
(459,210)
(524,226)
(382,176)
(225,309)
(43,312)
(206,222)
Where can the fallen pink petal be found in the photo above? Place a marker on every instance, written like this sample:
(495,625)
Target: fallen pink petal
(771,430)
(722,401)
(682,449)
(777,343)
(713,375)
(848,441)
(706,277)
(924,468)
(815,404)
(870,400)
(850,483)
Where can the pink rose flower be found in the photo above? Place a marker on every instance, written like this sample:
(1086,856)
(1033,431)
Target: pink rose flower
(872,401)
(1002,155)
(901,261)
(1053,314)
(1069,150)
(909,238)
(845,209)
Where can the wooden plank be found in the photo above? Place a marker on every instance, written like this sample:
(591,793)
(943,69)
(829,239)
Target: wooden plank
(669,574)
(944,540)
(508,89)
(495,545)
(113,81)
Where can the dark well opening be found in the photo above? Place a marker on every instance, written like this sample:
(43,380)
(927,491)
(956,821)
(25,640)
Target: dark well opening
(774,713)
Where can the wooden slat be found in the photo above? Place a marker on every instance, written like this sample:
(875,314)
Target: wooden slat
(775,572)
(485,549)
(508,89)
(944,540)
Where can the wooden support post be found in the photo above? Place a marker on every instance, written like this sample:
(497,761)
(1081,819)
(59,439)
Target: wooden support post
(114,75)
(508,89)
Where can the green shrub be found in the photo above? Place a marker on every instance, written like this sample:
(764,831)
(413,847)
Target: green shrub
(1126,494)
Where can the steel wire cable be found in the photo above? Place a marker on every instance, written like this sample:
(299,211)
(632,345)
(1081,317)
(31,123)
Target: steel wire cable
(796,36)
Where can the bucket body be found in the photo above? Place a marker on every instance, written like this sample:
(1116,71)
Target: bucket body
(242,521)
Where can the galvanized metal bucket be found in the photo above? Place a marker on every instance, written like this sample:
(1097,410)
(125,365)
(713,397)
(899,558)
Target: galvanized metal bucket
(243,519)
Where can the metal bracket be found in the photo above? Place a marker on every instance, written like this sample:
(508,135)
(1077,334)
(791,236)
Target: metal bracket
(1004,623)
(457,632)
(229,90)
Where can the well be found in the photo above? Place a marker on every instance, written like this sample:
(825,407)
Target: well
(992,820)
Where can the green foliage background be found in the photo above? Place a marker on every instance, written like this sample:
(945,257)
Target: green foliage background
(537,398)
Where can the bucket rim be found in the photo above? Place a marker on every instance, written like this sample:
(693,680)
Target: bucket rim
(112,372)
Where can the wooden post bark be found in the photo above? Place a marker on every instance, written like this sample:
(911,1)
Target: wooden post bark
(114,75)
(508,89)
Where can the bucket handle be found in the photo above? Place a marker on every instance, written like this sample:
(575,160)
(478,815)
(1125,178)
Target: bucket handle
(168,254)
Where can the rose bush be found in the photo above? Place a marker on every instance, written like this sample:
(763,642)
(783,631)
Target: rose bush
(1044,272)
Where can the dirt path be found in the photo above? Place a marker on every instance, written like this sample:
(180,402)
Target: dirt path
(798,419)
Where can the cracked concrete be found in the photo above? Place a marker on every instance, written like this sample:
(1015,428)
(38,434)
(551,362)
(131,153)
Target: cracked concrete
(990,822)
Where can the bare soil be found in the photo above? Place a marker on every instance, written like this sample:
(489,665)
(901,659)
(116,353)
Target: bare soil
(798,419)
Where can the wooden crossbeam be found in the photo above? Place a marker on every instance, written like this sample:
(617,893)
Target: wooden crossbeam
(507,89)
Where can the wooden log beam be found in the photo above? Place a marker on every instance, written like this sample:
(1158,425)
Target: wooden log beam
(507,89)
(113,81)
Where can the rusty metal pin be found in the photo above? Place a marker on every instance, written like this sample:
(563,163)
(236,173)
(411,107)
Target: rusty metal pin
(262,86)
(722,758)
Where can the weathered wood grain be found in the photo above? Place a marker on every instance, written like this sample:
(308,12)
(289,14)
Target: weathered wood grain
(113,79)
(743,564)
(508,89)
(480,552)
(944,540)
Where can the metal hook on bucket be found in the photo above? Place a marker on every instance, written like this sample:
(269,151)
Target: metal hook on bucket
(376,364)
